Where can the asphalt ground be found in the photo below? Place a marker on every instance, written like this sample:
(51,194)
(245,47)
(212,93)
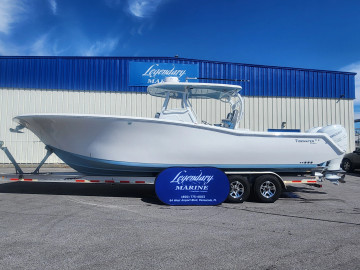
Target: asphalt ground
(104,226)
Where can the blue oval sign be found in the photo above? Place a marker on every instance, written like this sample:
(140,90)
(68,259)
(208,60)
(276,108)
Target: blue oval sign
(192,186)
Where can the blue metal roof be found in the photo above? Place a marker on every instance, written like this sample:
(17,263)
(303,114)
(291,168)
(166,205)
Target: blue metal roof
(112,74)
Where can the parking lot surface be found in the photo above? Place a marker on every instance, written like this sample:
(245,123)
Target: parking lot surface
(104,226)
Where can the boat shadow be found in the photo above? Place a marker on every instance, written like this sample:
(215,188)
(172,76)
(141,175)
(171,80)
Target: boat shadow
(144,192)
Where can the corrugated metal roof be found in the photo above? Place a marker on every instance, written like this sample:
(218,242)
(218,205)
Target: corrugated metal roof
(111,74)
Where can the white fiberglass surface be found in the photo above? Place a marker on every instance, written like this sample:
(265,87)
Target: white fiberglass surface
(169,142)
(194,90)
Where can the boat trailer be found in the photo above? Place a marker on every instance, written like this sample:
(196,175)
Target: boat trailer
(241,182)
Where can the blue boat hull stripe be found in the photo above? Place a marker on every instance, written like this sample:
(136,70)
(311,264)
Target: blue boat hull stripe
(94,166)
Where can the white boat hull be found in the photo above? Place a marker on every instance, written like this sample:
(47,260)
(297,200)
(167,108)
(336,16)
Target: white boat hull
(110,145)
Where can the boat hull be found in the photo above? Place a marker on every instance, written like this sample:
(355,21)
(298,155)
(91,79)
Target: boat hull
(109,145)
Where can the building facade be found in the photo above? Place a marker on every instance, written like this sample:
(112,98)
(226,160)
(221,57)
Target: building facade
(275,97)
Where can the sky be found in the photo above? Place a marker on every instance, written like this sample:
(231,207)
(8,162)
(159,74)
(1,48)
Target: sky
(316,34)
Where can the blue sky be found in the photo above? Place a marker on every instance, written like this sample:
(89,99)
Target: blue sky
(319,34)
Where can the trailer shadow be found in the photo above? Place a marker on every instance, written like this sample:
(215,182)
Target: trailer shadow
(354,173)
(295,192)
(144,192)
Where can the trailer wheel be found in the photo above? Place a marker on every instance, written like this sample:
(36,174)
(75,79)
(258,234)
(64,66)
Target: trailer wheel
(267,188)
(239,189)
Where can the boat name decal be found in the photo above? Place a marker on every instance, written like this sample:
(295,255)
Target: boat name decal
(153,71)
(336,134)
(311,141)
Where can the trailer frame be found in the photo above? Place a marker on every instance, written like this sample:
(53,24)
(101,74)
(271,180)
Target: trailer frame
(243,181)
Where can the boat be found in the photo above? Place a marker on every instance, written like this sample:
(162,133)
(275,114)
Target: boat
(121,145)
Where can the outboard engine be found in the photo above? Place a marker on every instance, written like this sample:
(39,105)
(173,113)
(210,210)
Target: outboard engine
(339,135)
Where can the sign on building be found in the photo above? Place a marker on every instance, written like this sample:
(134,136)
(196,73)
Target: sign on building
(147,73)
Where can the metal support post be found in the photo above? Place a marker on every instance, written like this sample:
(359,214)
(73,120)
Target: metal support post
(48,154)
(11,158)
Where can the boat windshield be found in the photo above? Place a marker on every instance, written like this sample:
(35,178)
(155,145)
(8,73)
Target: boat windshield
(187,90)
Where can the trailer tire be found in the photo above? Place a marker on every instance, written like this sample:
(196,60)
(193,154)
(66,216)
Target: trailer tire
(267,188)
(239,189)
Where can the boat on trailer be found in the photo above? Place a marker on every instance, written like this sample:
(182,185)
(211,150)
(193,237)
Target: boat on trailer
(176,137)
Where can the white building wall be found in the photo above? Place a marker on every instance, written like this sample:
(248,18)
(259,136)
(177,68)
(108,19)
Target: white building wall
(261,113)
